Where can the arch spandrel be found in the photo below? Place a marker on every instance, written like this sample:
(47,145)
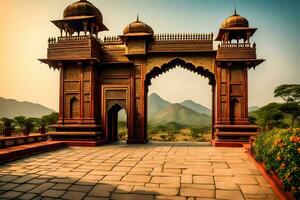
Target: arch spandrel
(207,62)
(170,64)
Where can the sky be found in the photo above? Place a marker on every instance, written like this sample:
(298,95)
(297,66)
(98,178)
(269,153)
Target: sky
(25,27)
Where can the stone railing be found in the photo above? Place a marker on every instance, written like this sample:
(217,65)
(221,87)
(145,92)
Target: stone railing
(237,45)
(54,40)
(20,140)
(183,36)
(112,39)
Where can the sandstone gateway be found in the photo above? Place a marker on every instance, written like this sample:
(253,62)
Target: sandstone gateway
(100,77)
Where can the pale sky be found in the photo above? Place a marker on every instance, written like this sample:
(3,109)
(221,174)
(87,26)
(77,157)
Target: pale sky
(25,27)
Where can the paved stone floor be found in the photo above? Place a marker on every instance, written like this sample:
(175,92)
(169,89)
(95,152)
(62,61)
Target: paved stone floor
(151,171)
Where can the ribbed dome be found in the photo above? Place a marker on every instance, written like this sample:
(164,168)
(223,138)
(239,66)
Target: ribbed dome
(82,8)
(235,21)
(137,27)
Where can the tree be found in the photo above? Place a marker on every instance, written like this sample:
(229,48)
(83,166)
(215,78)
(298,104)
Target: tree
(270,116)
(20,121)
(50,119)
(7,122)
(291,95)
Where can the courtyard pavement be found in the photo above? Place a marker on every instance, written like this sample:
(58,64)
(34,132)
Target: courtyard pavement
(151,171)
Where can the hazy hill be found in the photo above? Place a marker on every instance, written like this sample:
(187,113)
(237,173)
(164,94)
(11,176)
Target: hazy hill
(181,115)
(253,108)
(156,104)
(196,107)
(12,108)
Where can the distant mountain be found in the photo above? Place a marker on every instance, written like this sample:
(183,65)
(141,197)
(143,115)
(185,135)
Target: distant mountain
(196,107)
(253,108)
(12,108)
(156,104)
(180,114)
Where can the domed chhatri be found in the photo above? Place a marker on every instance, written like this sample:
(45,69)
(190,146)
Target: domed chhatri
(138,27)
(235,20)
(235,27)
(82,8)
(81,16)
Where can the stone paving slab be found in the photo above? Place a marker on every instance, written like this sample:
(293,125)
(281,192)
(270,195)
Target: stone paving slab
(150,171)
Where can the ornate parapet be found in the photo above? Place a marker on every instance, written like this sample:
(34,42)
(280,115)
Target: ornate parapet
(236,51)
(74,47)
(181,43)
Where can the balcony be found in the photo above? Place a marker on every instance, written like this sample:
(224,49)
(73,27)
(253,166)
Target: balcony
(74,47)
(236,51)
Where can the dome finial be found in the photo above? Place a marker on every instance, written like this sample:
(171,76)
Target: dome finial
(137,18)
(234,7)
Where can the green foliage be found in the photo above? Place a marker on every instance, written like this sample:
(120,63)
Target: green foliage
(289,93)
(20,121)
(197,131)
(292,109)
(269,116)
(279,149)
(49,119)
(7,122)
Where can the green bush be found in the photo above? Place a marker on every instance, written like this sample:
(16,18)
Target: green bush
(279,149)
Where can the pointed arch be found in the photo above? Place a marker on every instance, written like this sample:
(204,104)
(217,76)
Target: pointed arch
(156,71)
(74,108)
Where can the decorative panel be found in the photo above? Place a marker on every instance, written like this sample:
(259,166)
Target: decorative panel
(138,70)
(72,73)
(86,87)
(236,89)
(86,97)
(72,86)
(116,81)
(137,87)
(223,98)
(223,109)
(236,75)
(136,47)
(223,88)
(116,94)
(86,73)
(223,75)
(86,112)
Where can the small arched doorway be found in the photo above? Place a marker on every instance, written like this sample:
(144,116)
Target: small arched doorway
(113,116)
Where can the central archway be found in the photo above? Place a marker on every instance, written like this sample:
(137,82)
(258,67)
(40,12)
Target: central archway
(178,62)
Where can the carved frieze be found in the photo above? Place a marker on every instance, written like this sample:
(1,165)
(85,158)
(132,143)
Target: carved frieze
(180,46)
(236,53)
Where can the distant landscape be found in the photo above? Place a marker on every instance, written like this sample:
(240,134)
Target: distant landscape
(184,121)
(11,108)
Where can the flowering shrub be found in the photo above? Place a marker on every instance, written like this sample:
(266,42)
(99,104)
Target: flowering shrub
(279,149)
